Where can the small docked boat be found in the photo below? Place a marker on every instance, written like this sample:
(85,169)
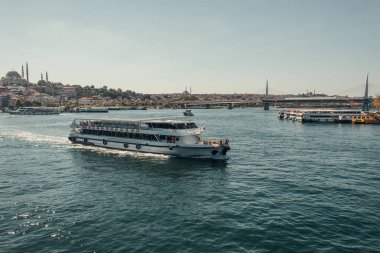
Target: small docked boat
(188,113)
(367,118)
(158,136)
(36,111)
(320,115)
(92,109)
(329,115)
(281,114)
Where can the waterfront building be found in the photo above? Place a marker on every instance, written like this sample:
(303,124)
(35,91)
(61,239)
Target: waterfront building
(90,100)
(69,91)
(49,100)
(3,91)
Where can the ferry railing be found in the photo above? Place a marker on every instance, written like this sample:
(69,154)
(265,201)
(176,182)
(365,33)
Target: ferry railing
(135,129)
(113,129)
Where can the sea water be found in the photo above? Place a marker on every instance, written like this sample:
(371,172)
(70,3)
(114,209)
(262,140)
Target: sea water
(288,187)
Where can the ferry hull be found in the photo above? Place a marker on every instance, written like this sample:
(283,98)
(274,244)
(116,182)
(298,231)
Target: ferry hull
(170,149)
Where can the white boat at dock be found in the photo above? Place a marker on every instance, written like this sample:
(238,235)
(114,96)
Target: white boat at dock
(92,109)
(36,111)
(320,115)
(158,136)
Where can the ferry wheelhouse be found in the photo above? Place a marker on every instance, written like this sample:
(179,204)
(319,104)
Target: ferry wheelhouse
(158,136)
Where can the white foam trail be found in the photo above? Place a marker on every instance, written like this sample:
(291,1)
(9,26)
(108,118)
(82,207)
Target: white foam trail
(120,153)
(32,137)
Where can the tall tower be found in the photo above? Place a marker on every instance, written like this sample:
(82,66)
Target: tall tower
(22,71)
(366,98)
(42,77)
(266,103)
(47,77)
(27,72)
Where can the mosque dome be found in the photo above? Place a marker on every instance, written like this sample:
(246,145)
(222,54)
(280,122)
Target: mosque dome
(13,75)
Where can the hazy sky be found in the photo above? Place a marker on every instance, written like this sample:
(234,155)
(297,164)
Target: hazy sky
(213,46)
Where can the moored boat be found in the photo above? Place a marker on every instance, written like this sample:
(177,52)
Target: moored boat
(329,115)
(320,115)
(36,111)
(159,136)
(92,109)
(188,113)
(367,118)
(280,114)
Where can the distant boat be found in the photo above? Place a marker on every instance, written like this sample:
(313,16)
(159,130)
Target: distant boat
(188,113)
(92,109)
(320,115)
(36,111)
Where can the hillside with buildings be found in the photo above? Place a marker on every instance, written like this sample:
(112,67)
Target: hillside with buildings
(16,91)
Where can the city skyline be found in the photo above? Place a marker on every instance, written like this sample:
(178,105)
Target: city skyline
(212,46)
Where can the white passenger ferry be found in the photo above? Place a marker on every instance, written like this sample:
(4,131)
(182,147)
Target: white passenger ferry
(327,115)
(36,111)
(159,136)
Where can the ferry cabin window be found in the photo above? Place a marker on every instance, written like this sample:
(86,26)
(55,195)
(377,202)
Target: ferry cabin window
(162,137)
(149,137)
(172,126)
(180,126)
(159,125)
(191,125)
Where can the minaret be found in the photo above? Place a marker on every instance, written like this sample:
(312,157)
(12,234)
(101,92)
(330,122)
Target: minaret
(42,77)
(27,72)
(47,77)
(266,103)
(22,71)
(190,90)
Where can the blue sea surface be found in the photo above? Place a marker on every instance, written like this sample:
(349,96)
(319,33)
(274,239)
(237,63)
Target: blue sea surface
(288,187)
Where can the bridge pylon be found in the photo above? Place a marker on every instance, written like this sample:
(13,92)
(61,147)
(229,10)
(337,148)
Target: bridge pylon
(265,101)
(366,100)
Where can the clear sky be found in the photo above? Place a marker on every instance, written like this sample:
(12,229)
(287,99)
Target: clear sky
(214,46)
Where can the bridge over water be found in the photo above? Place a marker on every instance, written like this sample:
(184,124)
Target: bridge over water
(266,101)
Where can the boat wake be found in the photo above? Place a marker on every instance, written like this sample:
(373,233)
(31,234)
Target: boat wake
(119,153)
(13,134)
(59,141)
